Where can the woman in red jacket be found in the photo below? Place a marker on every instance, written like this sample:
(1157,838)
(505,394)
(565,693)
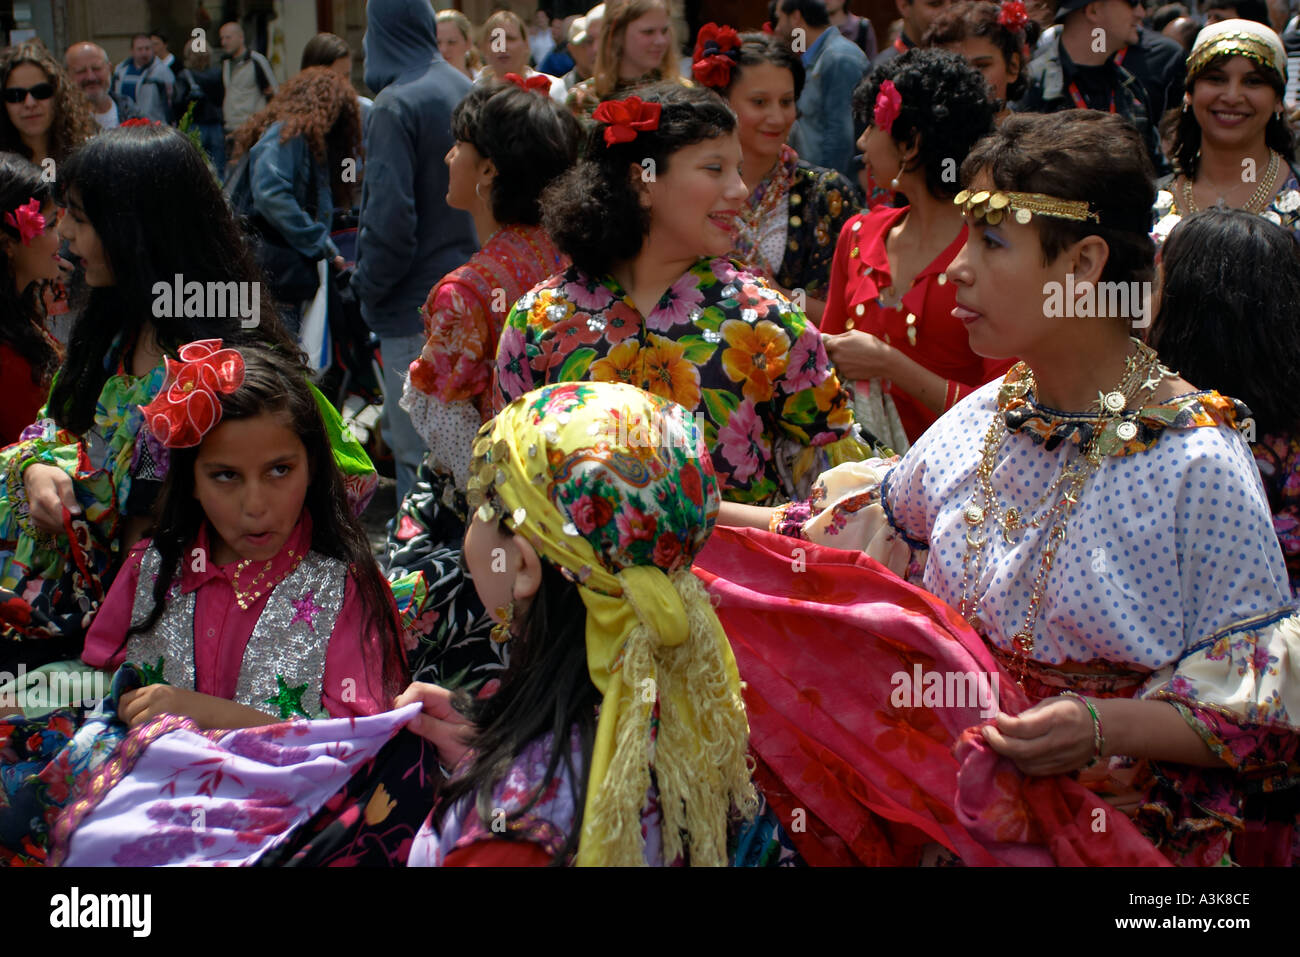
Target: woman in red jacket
(888,314)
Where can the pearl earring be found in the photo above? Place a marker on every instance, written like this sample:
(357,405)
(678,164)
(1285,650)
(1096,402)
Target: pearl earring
(893,183)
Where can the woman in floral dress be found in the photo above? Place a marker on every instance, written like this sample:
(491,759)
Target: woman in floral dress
(719,340)
(511,142)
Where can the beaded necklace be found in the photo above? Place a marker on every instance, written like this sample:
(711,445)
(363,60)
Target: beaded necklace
(1143,373)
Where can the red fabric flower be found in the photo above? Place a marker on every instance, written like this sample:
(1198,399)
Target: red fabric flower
(715,39)
(715,55)
(889,103)
(188,407)
(139,121)
(1013,15)
(27,219)
(623,119)
(537,82)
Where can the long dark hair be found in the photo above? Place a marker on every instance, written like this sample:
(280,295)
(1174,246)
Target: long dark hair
(547,688)
(1230,289)
(130,182)
(1187,136)
(22,327)
(593,212)
(276,383)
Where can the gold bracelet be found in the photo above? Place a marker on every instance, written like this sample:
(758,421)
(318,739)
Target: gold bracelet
(1098,739)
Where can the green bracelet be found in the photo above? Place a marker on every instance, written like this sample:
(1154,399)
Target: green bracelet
(1098,739)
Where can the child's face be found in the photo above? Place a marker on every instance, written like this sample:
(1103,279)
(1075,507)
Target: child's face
(251,479)
(83,242)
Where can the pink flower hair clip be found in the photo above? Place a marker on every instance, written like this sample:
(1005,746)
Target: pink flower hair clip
(27,219)
(889,104)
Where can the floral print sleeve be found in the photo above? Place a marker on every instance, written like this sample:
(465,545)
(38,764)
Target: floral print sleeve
(723,343)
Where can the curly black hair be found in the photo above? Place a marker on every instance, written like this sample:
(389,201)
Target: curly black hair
(528,137)
(593,212)
(979,18)
(945,103)
(1078,155)
(758,48)
(1187,136)
(20,182)
(1231,284)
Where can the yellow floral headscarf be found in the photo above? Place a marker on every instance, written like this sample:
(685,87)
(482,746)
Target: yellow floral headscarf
(614,487)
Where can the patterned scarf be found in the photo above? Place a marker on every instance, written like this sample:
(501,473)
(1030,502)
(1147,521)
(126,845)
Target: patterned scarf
(765,198)
(615,488)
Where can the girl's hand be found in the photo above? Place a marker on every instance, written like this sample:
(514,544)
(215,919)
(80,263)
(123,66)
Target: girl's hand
(144,704)
(1053,737)
(440,724)
(859,355)
(49,490)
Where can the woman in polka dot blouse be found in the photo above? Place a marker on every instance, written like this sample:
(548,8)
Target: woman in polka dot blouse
(1117,562)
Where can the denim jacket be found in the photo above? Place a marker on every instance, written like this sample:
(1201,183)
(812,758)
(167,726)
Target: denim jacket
(280,175)
(824,133)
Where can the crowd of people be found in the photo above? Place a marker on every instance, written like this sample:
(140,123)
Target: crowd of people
(810,447)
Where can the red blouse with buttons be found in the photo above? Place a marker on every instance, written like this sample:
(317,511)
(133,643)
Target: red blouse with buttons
(919,323)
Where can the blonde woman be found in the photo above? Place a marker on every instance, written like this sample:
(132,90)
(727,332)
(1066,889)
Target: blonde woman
(637,47)
(504,45)
(456,43)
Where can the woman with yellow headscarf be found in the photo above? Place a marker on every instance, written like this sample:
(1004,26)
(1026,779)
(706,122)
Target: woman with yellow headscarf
(618,734)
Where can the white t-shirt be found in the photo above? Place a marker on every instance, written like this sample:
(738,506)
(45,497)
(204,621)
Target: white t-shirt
(109,118)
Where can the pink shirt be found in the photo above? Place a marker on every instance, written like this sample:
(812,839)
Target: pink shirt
(222,629)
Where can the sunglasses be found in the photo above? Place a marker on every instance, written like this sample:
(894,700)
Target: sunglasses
(41,91)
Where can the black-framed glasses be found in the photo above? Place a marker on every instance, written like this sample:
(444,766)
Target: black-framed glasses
(41,91)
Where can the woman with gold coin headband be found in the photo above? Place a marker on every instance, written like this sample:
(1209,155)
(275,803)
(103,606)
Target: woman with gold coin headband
(1232,146)
(1093,548)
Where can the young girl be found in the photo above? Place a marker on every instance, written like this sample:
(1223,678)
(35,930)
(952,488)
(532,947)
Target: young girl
(621,708)
(87,453)
(30,240)
(256,600)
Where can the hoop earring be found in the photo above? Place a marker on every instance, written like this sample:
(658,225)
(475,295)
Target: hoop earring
(478,194)
(501,630)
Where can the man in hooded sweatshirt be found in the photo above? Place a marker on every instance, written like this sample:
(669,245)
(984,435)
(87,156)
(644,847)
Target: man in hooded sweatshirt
(409,237)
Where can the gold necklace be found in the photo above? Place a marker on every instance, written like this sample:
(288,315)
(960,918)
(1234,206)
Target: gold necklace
(246,597)
(1142,374)
(1258,200)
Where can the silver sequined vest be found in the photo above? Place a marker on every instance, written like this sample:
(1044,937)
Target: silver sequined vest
(289,640)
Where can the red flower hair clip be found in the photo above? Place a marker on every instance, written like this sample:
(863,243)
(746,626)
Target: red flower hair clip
(716,51)
(139,121)
(188,407)
(538,83)
(27,219)
(1013,15)
(623,119)
(889,103)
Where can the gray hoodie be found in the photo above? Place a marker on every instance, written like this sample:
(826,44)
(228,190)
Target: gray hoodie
(409,238)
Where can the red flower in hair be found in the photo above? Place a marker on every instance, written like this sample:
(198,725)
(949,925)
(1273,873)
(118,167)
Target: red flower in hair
(27,219)
(1013,15)
(714,39)
(889,103)
(623,119)
(187,407)
(139,121)
(538,82)
(715,55)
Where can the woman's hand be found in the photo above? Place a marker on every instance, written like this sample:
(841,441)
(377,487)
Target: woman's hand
(440,724)
(1053,737)
(49,490)
(859,355)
